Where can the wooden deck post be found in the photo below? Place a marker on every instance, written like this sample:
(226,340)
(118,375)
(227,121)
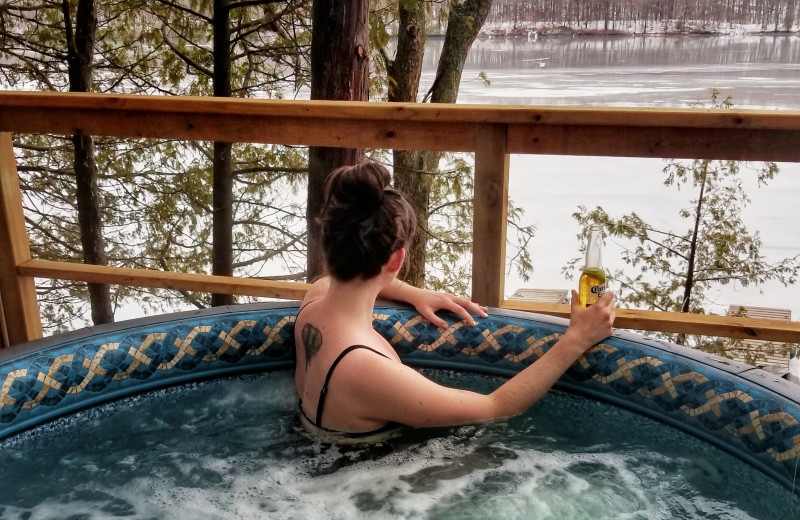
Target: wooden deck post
(491,213)
(18,293)
(4,341)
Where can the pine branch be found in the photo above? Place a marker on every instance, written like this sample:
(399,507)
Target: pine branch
(53,238)
(268,169)
(186,59)
(248,3)
(182,7)
(269,255)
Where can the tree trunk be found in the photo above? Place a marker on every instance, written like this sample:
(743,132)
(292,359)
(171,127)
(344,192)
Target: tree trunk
(339,71)
(689,284)
(410,176)
(222,217)
(80,53)
(464,23)
(788,20)
(687,288)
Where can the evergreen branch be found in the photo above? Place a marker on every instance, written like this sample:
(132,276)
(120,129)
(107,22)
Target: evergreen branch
(521,249)
(258,223)
(46,232)
(186,59)
(42,169)
(52,197)
(249,3)
(46,149)
(436,209)
(33,69)
(22,9)
(641,296)
(268,169)
(388,63)
(203,150)
(277,209)
(143,83)
(269,254)
(269,20)
(128,70)
(183,8)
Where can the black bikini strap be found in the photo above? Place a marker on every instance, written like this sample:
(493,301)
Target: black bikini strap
(324,391)
(303,307)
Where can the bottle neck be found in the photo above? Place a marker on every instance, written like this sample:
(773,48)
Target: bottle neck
(594,249)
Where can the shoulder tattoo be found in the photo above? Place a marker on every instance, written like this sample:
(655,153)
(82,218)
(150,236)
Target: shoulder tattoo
(312,341)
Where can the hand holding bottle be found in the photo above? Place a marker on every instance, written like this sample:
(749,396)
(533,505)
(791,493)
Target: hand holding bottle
(589,326)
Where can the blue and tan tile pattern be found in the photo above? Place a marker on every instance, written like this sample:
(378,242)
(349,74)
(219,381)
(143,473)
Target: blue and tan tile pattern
(68,376)
(761,425)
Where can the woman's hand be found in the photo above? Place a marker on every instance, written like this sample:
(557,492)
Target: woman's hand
(591,325)
(427,302)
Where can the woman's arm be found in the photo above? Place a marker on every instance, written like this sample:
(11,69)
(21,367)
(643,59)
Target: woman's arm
(390,391)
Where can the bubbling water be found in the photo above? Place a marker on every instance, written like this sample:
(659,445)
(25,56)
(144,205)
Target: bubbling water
(235,449)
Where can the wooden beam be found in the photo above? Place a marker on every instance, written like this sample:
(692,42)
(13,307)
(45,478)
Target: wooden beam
(18,293)
(668,142)
(491,213)
(163,279)
(602,131)
(677,322)
(14,102)
(270,129)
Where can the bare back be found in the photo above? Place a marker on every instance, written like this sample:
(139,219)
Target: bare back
(322,334)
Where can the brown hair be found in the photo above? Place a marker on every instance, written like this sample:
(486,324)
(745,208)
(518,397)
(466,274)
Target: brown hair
(364,221)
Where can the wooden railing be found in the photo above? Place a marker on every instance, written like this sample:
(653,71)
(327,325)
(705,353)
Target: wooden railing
(491,132)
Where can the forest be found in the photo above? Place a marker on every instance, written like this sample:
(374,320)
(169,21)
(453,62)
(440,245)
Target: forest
(647,16)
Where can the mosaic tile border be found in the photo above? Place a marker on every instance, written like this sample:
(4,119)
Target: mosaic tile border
(713,398)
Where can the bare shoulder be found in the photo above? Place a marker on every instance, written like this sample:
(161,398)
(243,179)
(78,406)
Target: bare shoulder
(317,290)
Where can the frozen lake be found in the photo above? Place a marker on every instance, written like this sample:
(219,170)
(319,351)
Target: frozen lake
(757,71)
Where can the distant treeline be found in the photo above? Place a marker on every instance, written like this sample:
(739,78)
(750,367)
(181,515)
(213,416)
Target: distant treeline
(774,15)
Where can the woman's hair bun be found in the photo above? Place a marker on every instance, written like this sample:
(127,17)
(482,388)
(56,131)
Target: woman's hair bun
(360,186)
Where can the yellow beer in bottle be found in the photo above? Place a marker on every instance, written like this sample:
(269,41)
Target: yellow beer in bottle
(593,279)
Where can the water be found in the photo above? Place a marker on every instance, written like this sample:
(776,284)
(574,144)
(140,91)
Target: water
(234,449)
(759,72)
(665,71)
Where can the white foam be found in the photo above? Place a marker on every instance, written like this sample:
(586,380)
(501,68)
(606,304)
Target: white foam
(414,483)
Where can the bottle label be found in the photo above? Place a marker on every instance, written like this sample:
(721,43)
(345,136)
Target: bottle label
(592,284)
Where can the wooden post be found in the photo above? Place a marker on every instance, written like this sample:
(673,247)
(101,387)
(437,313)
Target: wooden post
(4,341)
(18,293)
(491,213)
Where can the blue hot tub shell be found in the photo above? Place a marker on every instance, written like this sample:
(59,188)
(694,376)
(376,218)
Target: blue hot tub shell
(746,411)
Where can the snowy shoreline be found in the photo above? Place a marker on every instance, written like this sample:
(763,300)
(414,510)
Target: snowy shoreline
(598,29)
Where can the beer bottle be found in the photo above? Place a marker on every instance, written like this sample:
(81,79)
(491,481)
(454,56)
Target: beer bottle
(593,280)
